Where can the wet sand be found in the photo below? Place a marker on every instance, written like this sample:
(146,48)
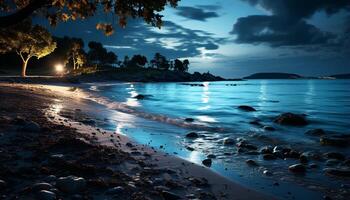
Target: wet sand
(49,155)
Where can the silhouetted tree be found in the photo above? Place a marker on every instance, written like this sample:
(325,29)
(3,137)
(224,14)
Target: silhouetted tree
(160,62)
(137,61)
(99,55)
(27,41)
(186,63)
(126,61)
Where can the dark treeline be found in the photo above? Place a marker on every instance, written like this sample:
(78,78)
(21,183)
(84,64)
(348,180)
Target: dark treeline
(78,58)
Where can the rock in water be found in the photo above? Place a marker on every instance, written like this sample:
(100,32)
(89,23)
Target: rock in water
(71,184)
(333,141)
(297,168)
(207,162)
(316,132)
(334,155)
(337,172)
(291,119)
(269,128)
(46,195)
(169,196)
(41,186)
(189,120)
(251,162)
(192,135)
(246,108)
(228,141)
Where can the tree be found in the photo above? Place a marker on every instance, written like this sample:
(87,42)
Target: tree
(27,41)
(137,61)
(126,61)
(160,62)
(178,65)
(15,11)
(186,63)
(99,55)
(77,55)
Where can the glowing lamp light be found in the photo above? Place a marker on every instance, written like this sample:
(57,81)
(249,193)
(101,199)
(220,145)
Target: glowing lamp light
(59,68)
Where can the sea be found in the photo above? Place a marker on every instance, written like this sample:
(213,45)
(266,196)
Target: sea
(159,120)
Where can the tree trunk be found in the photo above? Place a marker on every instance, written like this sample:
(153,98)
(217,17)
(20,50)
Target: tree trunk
(24,68)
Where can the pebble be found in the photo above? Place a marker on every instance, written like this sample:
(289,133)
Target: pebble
(169,195)
(46,195)
(71,184)
(267,173)
(297,168)
(115,190)
(41,186)
(2,184)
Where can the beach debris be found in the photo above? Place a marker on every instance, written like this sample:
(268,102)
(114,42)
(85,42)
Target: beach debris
(297,168)
(291,119)
(46,195)
(192,135)
(229,141)
(315,132)
(207,162)
(71,184)
(246,108)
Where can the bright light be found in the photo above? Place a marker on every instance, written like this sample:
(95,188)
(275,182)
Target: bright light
(59,68)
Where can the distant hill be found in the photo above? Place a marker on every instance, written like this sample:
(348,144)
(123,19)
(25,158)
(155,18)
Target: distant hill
(273,76)
(341,76)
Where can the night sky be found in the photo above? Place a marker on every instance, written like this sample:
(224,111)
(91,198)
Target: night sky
(234,38)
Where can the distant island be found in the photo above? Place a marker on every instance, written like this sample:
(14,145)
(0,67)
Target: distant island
(278,75)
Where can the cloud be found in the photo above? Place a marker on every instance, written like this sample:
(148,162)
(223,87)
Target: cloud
(198,13)
(276,31)
(287,24)
(172,40)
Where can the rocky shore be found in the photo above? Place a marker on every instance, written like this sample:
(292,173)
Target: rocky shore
(45,155)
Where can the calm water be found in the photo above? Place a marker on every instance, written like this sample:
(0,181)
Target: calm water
(158,120)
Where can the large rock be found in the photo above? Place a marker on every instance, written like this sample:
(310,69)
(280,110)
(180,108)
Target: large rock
(71,184)
(246,108)
(207,162)
(291,119)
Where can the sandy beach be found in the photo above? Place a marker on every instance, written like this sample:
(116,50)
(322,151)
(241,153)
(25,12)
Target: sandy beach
(50,153)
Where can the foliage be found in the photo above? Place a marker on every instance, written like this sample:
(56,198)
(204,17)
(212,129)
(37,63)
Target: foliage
(99,55)
(137,61)
(160,62)
(63,10)
(27,41)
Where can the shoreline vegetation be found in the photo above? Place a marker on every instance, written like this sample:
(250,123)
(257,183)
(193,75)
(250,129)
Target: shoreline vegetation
(47,156)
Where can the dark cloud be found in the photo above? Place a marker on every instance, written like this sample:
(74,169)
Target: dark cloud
(196,13)
(210,7)
(287,25)
(276,31)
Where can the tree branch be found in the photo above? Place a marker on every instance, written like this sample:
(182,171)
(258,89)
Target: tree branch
(20,15)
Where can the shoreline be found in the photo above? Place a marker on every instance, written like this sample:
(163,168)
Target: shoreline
(186,177)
